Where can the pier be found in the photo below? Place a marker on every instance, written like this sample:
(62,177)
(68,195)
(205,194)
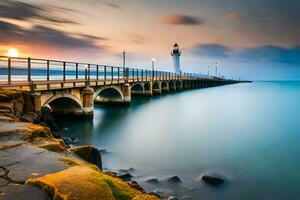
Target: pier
(73,88)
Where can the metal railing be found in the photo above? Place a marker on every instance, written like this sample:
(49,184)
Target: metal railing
(21,70)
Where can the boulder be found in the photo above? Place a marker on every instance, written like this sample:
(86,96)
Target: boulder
(152,180)
(47,117)
(89,154)
(26,118)
(125,177)
(173,179)
(135,185)
(212,180)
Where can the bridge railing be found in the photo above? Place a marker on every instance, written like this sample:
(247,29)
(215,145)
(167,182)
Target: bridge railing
(22,70)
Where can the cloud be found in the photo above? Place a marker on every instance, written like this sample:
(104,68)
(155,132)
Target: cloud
(265,53)
(136,38)
(12,9)
(181,20)
(232,15)
(272,54)
(44,36)
(113,5)
(212,50)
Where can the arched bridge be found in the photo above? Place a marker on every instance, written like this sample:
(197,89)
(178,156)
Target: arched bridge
(73,88)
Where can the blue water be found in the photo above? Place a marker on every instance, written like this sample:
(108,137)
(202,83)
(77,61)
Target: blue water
(249,133)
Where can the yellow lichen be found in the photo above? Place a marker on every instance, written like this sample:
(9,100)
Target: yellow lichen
(83,182)
(83,152)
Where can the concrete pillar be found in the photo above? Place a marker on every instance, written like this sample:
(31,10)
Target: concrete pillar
(149,92)
(36,96)
(126,90)
(88,101)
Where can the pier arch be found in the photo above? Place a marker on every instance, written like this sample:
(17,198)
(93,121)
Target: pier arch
(138,87)
(64,104)
(179,85)
(111,92)
(172,86)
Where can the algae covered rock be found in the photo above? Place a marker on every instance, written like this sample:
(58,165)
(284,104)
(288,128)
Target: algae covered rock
(84,182)
(89,154)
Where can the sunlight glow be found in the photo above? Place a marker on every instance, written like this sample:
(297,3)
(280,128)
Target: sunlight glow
(13,52)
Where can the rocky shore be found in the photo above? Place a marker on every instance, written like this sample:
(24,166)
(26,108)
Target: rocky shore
(36,164)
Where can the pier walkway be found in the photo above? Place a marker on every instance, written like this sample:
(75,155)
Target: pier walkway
(72,87)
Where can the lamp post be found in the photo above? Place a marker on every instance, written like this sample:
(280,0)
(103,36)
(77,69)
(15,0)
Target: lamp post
(216,69)
(153,62)
(208,71)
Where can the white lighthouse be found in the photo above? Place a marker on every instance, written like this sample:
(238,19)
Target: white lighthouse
(176,58)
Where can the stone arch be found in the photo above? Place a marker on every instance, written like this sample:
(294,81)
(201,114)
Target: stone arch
(156,85)
(138,87)
(172,86)
(164,84)
(110,93)
(179,84)
(147,86)
(64,103)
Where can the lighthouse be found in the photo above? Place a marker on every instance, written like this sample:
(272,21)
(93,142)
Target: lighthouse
(176,58)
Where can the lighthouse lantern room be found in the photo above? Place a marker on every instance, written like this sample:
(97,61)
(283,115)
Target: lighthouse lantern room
(176,58)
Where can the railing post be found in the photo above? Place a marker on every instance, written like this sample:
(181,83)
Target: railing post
(29,69)
(118,74)
(76,71)
(97,73)
(89,72)
(64,71)
(48,70)
(9,70)
(112,75)
(104,75)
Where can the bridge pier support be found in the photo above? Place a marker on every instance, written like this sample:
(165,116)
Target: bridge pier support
(164,87)
(88,102)
(126,89)
(36,96)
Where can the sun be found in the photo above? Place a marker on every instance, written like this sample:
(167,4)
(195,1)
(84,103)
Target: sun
(12,52)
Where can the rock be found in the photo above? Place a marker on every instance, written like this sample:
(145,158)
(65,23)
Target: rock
(173,179)
(26,118)
(123,171)
(152,181)
(3,182)
(172,198)
(34,116)
(28,105)
(163,192)
(47,117)
(213,180)
(89,154)
(135,185)
(125,177)
(21,192)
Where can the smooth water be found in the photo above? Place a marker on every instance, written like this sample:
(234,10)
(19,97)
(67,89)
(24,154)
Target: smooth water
(250,133)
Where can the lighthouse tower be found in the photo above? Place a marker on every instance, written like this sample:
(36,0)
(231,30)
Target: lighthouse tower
(176,58)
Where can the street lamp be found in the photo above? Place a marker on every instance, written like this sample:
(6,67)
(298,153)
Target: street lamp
(153,62)
(216,69)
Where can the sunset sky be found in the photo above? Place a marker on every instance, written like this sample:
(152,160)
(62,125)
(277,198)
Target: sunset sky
(251,39)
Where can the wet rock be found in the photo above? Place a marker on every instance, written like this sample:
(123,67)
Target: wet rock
(27,161)
(172,198)
(34,116)
(22,192)
(135,185)
(89,154)
(125,177)
(213,179)
(26,118)
(47,117)
(152,181)
(163,192)
(173,179)
(123,171)
(3,182)
(69,140)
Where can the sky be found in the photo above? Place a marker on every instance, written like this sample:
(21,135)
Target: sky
(249,39)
